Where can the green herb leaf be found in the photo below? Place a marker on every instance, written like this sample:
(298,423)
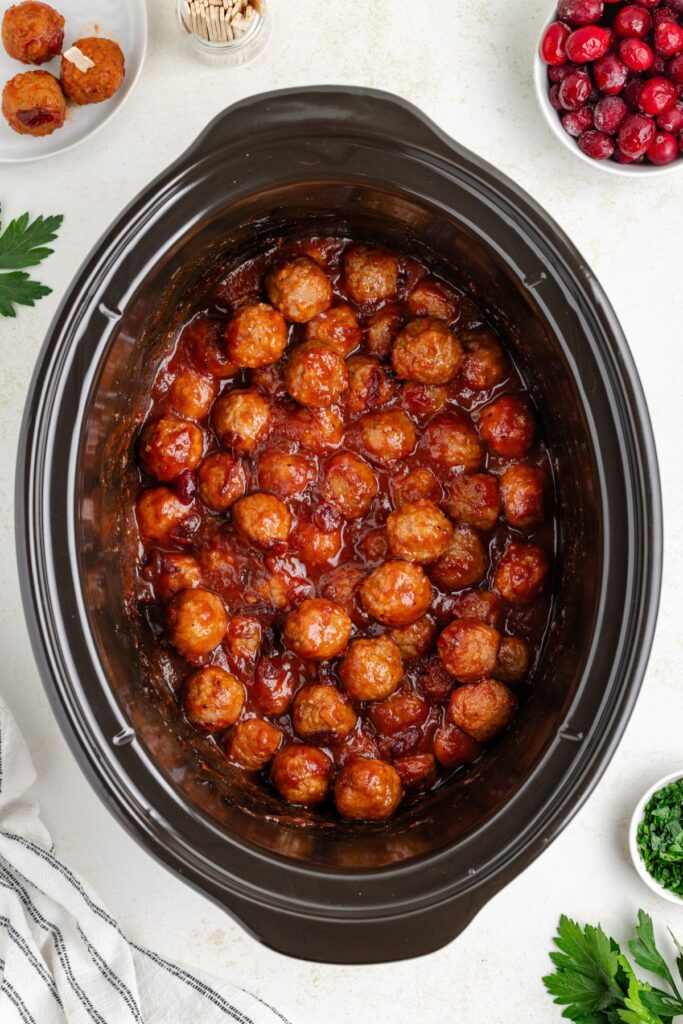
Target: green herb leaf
(635,1011)
(585,981)
(24,244)
(679,948)
(645,953)
(17,288)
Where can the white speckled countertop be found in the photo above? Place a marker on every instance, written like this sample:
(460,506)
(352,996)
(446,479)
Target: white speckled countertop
(468,66)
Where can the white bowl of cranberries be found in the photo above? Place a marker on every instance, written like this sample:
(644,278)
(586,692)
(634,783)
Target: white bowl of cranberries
(609,77)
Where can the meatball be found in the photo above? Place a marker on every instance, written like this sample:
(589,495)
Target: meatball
(396,594)
(243,637)
(371,668)
(202,339)
(463,563)
(300,289)
(418,484)
(483,709)
(452,441)
(256,336)
(170,572)
(212,699)
(367,789)
(399,712)
(341,586)
(480,604)
(521,573)
(350,484)
(276,680)
(388,435)
(322,715)
(196,623)
(168,446)
(283,474)
(269,379)
(514,659)
(191,394)
(373,545)
(302,774)
(32,32)
(222,480)
(162,517)
(318,430)
(422,400)
(252,744)
(262,519)
(100,82)
(454,748)
(315,376)
(427,352)
(432,299)
(370,385)
(284,586)
(242,419)
(318,629)
(416,771)
(381,330)
(315,547)
(524,492)
(337,328)
(418,531)
(370,275)
(435,682)
(485,363)
(33,103)
(469,649)
(473,499)
(507,426)
(414,641)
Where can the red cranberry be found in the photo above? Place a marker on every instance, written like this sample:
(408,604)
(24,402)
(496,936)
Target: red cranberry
(587,43)
(609,112)
(676,5)
(559,72)
(664,148)
(554,97)
(609,74)
(632,92)
(675,69)
(656,96)
(648,3)
(596,145)
(636,55)
(632,21)
(553,43)
(658,66)
(668,38)
(578,121)
(575,90)
(679,90)
(636,135)
(621,158)
(580,12)
(672,119)
(663,15)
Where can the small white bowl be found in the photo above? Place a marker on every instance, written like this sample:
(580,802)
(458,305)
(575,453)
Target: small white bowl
(552,117)
(636,819)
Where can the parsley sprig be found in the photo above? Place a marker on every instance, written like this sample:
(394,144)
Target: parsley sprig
(596,983)
(23,244)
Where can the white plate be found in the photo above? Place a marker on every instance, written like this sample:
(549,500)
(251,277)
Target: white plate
(636,819)
(124,21)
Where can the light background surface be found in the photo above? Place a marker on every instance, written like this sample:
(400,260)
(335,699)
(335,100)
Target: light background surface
(468,66)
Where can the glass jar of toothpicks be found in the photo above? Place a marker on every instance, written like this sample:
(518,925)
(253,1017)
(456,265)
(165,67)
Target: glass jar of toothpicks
(224,32)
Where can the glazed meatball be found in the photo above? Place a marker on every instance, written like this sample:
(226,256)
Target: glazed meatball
(416,771)
(367,789)
(370,385)
(33,103)
(389,435)
(315,376)
(262,519)
(473,499)
(337,328)
(341,586)
(419,531)
(315,547)
(284,586)
(191,394)
(318,430)
(100,82)
(373,545)
(507,426)
(483,709)
(434,681)
(381,330)
(422,400)
(252,744)
(221,480)
(169,572)
(417,485)
(162,517)
(302,774)
(485,363)
(396,594)
(276,680)
(432,299)
(283,474)
(469,649)
(414,641)
(322,715)
(399,712)
(300,289)
(202,339)
(168,446)
(521,573)
(452,441)
(270,380)
(318,629)
(242,419)
(463,563)
(480,604)
(212,699)
(256,336)
(514,659)
(243,637)
(524,492)
(371,668)
(196,623)
(427,352)
(32,32)
(370,274)
(350,484)
(454,748)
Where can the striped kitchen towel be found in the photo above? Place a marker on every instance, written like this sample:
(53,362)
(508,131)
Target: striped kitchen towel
(63,958)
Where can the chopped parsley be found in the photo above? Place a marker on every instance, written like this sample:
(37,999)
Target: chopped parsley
(660,837)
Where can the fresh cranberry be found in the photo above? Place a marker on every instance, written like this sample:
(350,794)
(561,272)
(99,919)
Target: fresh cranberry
(621,158)
(658,66)
(632,21)
(672,119)
(575,90)
(636,55)
(664,148)
(663,16)
(554,97)
(675,69)
(668,38)
(676,5)
(609,74)
(656,96)
(609,112)
(580,12)
(588,43)
(577,122)
(596,145)
(559,72)
(553,43)
(636,134)
(648,3)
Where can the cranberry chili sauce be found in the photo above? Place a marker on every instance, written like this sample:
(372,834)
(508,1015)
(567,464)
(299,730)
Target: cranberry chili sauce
(345,523)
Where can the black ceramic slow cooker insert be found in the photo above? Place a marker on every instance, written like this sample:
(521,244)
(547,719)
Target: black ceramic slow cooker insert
(365,164)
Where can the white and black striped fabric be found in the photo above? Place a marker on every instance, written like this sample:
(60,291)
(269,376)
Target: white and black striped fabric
(63,958)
